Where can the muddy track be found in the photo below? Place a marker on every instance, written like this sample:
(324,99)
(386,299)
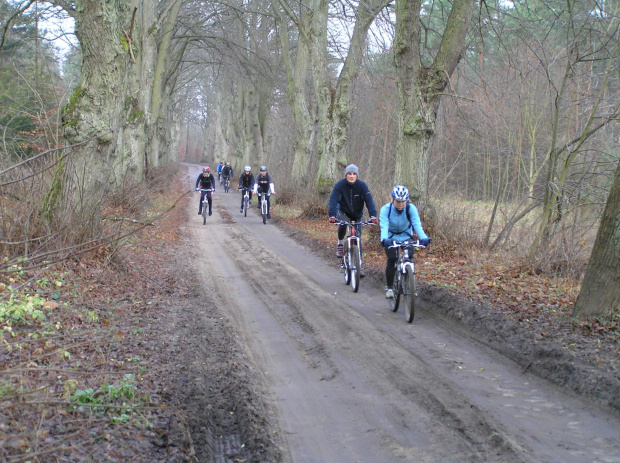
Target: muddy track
(318,373)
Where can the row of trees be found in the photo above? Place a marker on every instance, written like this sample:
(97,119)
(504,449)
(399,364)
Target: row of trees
(529,92)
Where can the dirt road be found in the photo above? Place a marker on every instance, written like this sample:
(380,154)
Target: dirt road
(328,375)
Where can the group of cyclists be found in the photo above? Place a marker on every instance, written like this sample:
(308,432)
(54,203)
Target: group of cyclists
(398,219)
(261,184)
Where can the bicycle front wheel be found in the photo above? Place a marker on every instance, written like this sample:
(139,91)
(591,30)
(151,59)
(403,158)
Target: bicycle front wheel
(409,294)
(346,265)
(355,268)
(205,205)
(395,301)
(245,207)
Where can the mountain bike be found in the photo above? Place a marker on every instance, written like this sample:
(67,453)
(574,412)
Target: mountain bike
(264,209)
(246,200)
(205,203)
(226,184)
(404,280)
(351,253)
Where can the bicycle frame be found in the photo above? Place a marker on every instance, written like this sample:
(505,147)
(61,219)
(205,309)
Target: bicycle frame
(263,204)
(205,203)
(404,279)
(352,253)
(246,200)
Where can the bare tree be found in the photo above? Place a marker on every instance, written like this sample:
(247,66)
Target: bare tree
(600,293)
(422,86)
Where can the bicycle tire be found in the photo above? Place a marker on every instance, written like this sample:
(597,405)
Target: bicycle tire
(205,205)
(409,291)
(245,207)
(346,268)
(263,210)
(395,301)
(355,268)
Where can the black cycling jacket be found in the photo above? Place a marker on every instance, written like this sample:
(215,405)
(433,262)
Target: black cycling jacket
(350,199)
(206,181)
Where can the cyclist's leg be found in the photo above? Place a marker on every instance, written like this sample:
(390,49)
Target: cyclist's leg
(210,199)
(342,229)
(390,270)
(268,206)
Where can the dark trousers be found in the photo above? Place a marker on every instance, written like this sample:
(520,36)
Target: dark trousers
(390,265)
(261,192)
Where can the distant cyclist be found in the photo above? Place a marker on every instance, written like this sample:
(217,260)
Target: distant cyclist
(264,184)
(227,171)
(348,199)
(219,171)
(205,181)
(398,220)
(246,180)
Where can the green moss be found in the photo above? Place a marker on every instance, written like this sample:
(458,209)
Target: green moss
(135,115)
(124,42)
(51,199)
(68,119)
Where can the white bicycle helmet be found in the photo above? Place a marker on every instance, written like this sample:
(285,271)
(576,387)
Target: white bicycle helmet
(400,193)
(247,168)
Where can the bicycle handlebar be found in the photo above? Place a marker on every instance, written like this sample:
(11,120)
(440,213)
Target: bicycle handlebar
(406,243)
(352,223)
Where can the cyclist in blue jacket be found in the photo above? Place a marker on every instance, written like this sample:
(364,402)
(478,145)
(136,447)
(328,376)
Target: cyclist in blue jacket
(348,199)
(398,220)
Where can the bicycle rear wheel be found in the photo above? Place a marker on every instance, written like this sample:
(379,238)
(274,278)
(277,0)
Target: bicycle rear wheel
(409,293)
(395,301)
(355,268)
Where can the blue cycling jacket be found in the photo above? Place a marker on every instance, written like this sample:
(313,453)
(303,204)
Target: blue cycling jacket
(396,226)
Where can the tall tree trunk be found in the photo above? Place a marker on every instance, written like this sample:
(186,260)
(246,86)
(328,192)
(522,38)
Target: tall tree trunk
(159,150)
(420,89)
(105,113)
(225,140)
(299,99)
(600,293)
(336,116)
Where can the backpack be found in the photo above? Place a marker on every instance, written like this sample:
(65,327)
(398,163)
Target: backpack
(408,218)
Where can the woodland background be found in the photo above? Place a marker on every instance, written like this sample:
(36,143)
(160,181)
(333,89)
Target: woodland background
(501,117)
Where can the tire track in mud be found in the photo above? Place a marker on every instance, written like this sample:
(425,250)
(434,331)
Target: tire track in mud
(334,336)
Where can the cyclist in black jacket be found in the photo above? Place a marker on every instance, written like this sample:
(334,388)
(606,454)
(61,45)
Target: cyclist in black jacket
(264,184)
(205,180)
(348,199)
(227,171)
(246,180)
